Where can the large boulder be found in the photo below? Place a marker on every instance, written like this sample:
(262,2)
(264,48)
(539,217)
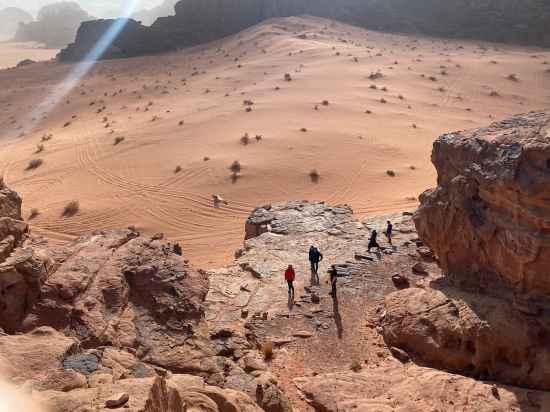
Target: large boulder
(394,387)
(117,288)
(36,359)
(486,223)
(470,334)
(489,213)
(10,202)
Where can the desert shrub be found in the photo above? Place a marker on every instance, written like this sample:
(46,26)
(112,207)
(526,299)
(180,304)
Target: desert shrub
(267,350)
(390,173)
(248,109)
(71,208)
(382,100)
(181,123)
(494,93)
(34,164)
(245,139)
(325,103)
(384,89)
(118,140)
(248,102)
(288,77)
(39,148)
(368,111)
(303,129)
(67,124)
(206,158)
(33,214)
(258,137)
(46,137)
(401,97)
(355,366)
(376,75)
(314,175)
(177,169)
(513,77)
(433,78)
(373,86)
(235,167)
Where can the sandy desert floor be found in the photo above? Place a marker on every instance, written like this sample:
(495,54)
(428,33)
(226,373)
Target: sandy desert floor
(13,53)
(147,141)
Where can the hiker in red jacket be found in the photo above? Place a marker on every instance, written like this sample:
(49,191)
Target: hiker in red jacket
(290,275)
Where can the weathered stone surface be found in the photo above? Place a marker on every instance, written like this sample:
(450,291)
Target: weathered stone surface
(486,224)
(470,334)
(119,289)
(36,358)
(177,394)
(396,387)
(10,202)
(489,215)
(21,279)
(197,21)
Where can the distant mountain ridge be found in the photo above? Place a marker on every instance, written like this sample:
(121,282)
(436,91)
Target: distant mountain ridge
(101,8)
(198,21)
(10,17)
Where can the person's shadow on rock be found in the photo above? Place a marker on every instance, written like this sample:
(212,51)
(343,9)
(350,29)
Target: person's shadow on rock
(314,278)
(337,316)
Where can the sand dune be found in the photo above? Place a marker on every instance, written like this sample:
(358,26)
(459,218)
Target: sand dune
(176,110)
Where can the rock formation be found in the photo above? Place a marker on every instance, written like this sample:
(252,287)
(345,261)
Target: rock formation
(10,18)
(492,199)
(100,321)
(486,224)
(55,25)
(198,21)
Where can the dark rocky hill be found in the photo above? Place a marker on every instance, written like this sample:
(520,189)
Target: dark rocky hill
(194,22)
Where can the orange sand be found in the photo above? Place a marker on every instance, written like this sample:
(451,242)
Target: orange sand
(145,98)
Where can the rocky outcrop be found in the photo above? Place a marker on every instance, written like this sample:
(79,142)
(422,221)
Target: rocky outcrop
(198,21)
(22,270)
(486,224)
(96,323)
(55,25)
(488,216)
(394,388)
(10,18)
(470,334)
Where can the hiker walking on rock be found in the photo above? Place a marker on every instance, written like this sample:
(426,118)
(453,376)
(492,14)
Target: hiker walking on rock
(372,241)
(290,275)
(315,256)
(389,232)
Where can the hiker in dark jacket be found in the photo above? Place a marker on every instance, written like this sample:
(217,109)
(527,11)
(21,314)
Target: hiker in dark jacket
(315,256)
(389,232)
(372,241)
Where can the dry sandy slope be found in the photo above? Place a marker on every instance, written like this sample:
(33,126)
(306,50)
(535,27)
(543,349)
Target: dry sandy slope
(13,53)
(145,99)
